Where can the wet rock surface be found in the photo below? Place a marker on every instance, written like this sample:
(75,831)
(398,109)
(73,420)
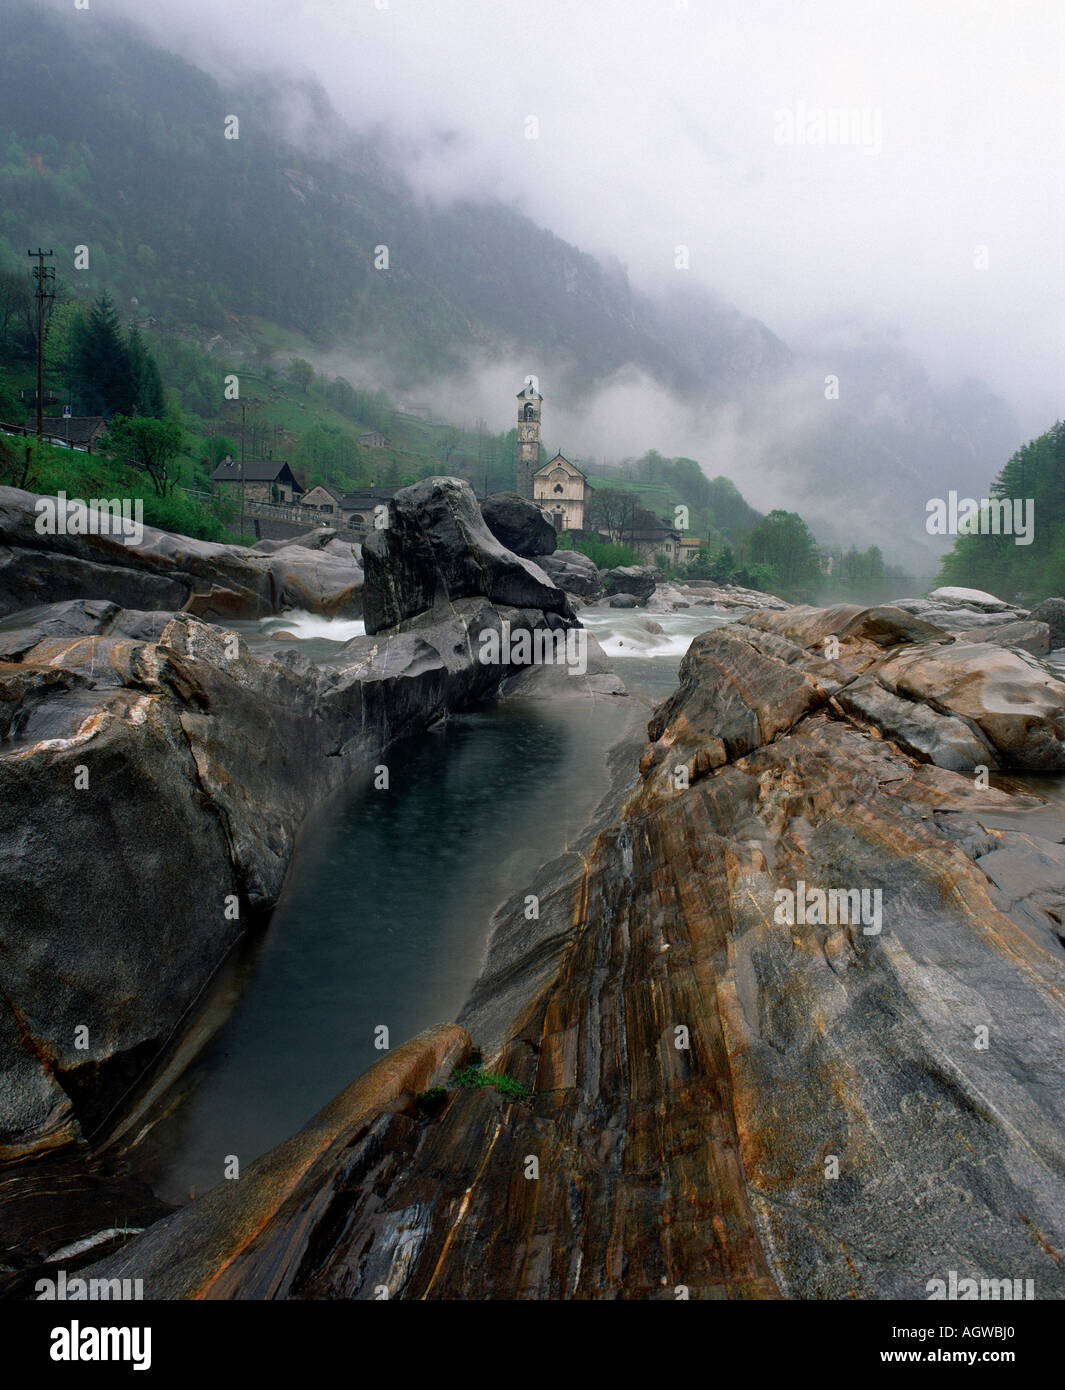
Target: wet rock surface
(1052,612)
(518,524)
(165,571)
(731,1092)
(437,548)
(638,580)
(573,572)
(154,773)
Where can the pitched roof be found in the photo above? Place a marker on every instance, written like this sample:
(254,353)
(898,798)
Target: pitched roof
(367,497)
(78,429)
(333,492)
(551,464)
(255,471)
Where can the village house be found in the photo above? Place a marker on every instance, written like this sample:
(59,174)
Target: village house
(374,439)
(653,537)
(323,498)
(265,480)
(689,548)
(77,431)
(359,508)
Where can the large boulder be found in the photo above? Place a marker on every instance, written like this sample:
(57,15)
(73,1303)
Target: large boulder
(972,695)
(119,752)
(954,595)
(518,524)
(161,570)
(1052,612)
(571,571)
(317,539)
(1024,634)
(437,548)
(1011,700)
(638,580)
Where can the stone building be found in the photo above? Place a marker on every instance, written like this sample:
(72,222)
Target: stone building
(359,508)
(529,402)
(78,431)
(559,487)
(265,480)
(561,490)
(323,498)
(653,537)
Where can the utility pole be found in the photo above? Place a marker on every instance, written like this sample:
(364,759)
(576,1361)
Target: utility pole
(42,274)
(243,418)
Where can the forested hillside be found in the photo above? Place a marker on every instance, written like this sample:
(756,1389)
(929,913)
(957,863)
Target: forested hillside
(1026,572)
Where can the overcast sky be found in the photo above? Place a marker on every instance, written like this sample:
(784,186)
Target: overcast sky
(663,123)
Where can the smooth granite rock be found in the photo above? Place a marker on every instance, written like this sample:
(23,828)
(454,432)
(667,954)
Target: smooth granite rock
(520,525)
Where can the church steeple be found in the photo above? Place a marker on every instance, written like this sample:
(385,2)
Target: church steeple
(529,402)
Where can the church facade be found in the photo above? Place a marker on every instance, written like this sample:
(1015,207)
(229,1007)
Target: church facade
(561,490)
(559,487)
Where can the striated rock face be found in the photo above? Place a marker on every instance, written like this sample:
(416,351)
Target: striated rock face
(166,571)
(520,525)
(437,548)
(737,1087)
(158,784)
(960,703)
(153,776)
(247,1238)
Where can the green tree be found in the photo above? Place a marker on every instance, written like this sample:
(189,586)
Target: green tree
(613,511)
(11,411)
(217,446)
(149,444)
(782,542)
(1033,482)
(147,384)
(64,323)
(300,372)
(101,370)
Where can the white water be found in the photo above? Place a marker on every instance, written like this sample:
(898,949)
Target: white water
(307,626)
(623,631)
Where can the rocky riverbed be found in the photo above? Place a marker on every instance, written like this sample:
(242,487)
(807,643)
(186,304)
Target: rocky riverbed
(787,1021)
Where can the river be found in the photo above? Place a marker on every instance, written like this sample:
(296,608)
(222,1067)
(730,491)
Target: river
(383,919)
(384,915)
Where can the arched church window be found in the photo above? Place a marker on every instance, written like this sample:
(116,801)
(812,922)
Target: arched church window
(530,411)
(558,487)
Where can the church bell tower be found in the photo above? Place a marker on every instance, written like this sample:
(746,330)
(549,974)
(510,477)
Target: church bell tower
(529,403)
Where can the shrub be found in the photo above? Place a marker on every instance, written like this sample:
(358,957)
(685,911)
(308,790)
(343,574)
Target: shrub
(474,1077)
(431,1102)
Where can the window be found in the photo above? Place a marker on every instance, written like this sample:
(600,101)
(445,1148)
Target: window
(558,487)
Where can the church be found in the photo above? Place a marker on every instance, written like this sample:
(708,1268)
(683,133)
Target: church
(558,487)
